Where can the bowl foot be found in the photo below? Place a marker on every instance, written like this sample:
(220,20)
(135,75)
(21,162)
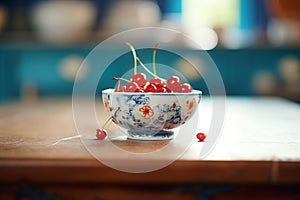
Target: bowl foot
(160,135)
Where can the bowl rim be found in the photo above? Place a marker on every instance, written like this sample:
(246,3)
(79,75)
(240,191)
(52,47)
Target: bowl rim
(194,92)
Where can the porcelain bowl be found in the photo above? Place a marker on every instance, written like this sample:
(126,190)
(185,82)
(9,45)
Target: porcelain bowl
(150,116)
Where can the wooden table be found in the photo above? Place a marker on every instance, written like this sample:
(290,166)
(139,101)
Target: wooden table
(257,156)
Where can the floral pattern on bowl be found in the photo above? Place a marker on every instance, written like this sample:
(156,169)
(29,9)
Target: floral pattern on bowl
(150,116)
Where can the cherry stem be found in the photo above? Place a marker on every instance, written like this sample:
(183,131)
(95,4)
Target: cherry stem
(134,56)
(122,79)
(154,58)
(107,123)
(154,75)
(119,84)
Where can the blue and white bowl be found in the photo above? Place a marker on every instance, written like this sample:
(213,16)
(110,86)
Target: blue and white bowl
(150,116)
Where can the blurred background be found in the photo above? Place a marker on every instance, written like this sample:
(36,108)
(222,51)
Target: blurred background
(255,44)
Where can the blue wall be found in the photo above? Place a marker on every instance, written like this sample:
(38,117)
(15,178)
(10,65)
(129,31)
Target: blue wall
(39,65)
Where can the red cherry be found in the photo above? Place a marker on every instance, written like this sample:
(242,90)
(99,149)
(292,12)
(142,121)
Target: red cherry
(101,134)
(132,87)
(201,137)
(150,87)
(139,78)
(173,83)
(168,90)
(185,88)
(157,82)
(173,80)
(140,90)
(176,87)
(161,90)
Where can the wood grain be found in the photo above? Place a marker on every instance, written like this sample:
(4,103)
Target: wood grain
(29,151)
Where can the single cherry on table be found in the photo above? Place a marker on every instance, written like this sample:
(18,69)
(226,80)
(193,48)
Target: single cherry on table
(201,136)
(101,134)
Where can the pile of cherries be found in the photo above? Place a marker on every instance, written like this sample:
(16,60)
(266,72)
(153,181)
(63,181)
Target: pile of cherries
(139,83)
